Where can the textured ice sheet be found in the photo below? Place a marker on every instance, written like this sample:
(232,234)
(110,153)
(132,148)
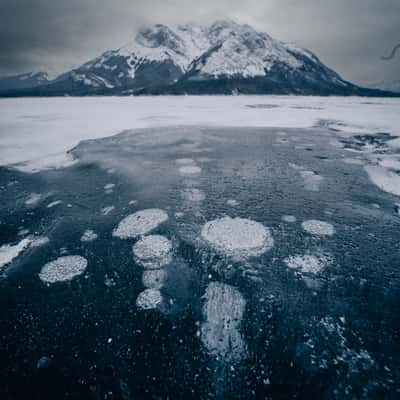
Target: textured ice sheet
(223,312)
(63,269)
(140,223)
(153,252)
(319,228)
(238,237)
(149,299)
(193,194)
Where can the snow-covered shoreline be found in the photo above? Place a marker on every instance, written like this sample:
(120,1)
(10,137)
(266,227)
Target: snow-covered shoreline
(38,133)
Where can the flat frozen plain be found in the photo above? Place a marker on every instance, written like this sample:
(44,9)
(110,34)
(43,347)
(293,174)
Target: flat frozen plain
(39,131)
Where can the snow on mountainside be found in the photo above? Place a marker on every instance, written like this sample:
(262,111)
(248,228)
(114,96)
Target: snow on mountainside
(23,81)
(223,58)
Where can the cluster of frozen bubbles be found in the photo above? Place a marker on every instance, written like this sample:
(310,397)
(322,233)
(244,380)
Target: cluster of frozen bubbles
(224,305)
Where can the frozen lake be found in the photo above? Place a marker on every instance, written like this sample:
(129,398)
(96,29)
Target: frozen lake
(248,248)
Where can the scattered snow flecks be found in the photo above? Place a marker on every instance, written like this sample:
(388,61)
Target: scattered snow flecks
(223,311)
(309,263)
(89,236)
(63,269)
(319,228)
(238,237)
(153,252)
(140,223)
(8,252)
(149,299)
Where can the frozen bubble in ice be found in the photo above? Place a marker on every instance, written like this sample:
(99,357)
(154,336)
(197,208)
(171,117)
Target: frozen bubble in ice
(89,236)
(190,170)
(320,228)
(184,161)
(63,269)
(223,311)
(309,263)
(179,214)
(289,218)
(149,299)
(193,194)
(140,223)
(238,237)
(154,278)
(153,251)
(109,186)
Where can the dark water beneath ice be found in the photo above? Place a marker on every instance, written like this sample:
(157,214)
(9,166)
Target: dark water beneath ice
(333,334)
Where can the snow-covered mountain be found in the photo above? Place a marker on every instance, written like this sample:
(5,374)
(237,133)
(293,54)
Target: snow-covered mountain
(23,81)
(223,58)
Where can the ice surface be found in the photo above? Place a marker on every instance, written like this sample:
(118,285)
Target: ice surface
(153,251)
(140,223)
(63,269)
(223,312)
(193,194)
(319,228)
(183,161)
(39,132)
(149,299)
(238,237)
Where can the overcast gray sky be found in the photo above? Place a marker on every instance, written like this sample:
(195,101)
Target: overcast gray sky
(348,35)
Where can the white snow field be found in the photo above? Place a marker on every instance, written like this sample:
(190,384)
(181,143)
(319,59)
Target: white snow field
(37,133)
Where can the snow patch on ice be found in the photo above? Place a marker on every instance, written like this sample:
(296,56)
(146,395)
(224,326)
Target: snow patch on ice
(63,269)
(238,237)
(9,252)
(319,228)
(386,180)
(140,223)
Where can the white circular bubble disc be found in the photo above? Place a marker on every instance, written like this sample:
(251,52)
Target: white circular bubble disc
(140,223)
(153,251)
(190,170)
(149,299)
(238,237)
(319,228)
(154,278)
(63,269)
